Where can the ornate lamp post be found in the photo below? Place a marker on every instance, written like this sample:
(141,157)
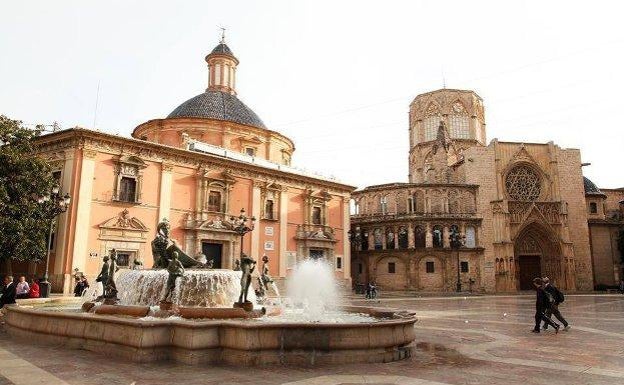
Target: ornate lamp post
(457,241)
(243,225)
(55,205)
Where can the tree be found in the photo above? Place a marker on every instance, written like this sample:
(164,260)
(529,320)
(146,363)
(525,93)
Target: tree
(24,178)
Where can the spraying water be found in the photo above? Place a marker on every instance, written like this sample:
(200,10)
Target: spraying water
(312,289)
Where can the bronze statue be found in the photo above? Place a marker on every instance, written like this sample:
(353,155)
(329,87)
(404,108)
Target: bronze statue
(103,276)
(265,277)
(110,286)
(163,247)
(237,265)
(247,265)
(175,270)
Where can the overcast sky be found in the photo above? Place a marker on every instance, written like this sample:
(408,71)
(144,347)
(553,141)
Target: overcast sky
(335,76)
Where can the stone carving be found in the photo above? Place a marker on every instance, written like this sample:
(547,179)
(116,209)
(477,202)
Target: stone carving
(523,184)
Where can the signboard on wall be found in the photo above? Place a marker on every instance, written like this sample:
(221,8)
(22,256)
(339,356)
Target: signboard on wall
(268,230)
(269,245)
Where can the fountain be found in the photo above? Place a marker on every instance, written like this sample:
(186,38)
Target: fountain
(208,316)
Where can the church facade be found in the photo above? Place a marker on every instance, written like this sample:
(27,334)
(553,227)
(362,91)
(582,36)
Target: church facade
(476,216)
(200,166)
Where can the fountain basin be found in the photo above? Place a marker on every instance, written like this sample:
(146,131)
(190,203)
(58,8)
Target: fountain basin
(236,342)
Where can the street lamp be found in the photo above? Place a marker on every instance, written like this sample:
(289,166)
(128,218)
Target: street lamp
(243,225)
(55,205)
(457,241)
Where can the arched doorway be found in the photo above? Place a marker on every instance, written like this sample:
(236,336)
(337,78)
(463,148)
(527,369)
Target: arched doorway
(537,254)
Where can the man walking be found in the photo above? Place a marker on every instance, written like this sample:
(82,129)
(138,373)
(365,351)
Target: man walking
(554,308)
(541,304)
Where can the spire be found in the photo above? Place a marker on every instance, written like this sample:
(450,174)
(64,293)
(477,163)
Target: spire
(222,67)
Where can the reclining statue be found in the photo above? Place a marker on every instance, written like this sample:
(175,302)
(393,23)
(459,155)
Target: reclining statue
(163,247)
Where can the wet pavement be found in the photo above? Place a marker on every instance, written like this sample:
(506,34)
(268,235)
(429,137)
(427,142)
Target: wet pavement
(459,340)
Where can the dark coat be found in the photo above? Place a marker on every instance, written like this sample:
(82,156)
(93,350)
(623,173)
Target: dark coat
(541,303)
(554,292)
(8,295)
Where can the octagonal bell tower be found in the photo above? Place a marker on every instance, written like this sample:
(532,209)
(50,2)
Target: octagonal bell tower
(460,113)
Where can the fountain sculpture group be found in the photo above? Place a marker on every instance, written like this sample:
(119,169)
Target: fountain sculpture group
(184,310)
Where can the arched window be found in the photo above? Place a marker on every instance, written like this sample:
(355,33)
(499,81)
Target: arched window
(378,238)
(390,239)
(420,238)
(431,122)
(430,125)
(403,242)
(459,122)
(410,205)
(419,202)
(437,236)
(383,205)
(470,236)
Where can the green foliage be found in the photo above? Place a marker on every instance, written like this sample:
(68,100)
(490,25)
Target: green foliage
(24,177)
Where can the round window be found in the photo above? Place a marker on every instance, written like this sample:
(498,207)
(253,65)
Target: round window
(523,184)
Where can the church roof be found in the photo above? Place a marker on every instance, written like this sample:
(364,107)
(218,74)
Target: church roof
(591,188)
(222,49)
(217,105)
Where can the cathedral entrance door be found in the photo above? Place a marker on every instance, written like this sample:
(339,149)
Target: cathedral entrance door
(530,268)
(213,251)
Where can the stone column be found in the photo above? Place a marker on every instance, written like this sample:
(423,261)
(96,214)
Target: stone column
(83,210)
(396,237)
(411,240)
(346,242)
(283,229)
(164,199)
(446,242)
(384,238)
(428,236)
(60,243)
(371,239)
(255,211)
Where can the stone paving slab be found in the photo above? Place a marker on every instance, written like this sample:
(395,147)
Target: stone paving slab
(459,340)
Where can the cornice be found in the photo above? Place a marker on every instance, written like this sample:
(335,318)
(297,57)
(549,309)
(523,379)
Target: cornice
(160,153)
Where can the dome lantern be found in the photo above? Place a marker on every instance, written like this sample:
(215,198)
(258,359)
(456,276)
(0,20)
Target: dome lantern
(222,68)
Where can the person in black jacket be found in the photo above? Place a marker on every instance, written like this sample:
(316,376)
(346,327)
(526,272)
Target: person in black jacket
(8,294)
(541,304)
(554,308)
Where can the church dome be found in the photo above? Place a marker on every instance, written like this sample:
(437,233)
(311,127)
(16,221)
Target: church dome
(591,188)
(222,49)
(217,105)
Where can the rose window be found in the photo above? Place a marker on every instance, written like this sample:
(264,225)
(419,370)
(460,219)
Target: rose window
(523,184)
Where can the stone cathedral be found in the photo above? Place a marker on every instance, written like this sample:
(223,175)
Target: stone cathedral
(519,210)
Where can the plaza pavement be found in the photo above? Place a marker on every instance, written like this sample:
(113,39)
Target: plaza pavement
(459,340)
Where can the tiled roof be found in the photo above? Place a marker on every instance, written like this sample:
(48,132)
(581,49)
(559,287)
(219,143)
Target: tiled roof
(222,48)
(217,105)
(591,188)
